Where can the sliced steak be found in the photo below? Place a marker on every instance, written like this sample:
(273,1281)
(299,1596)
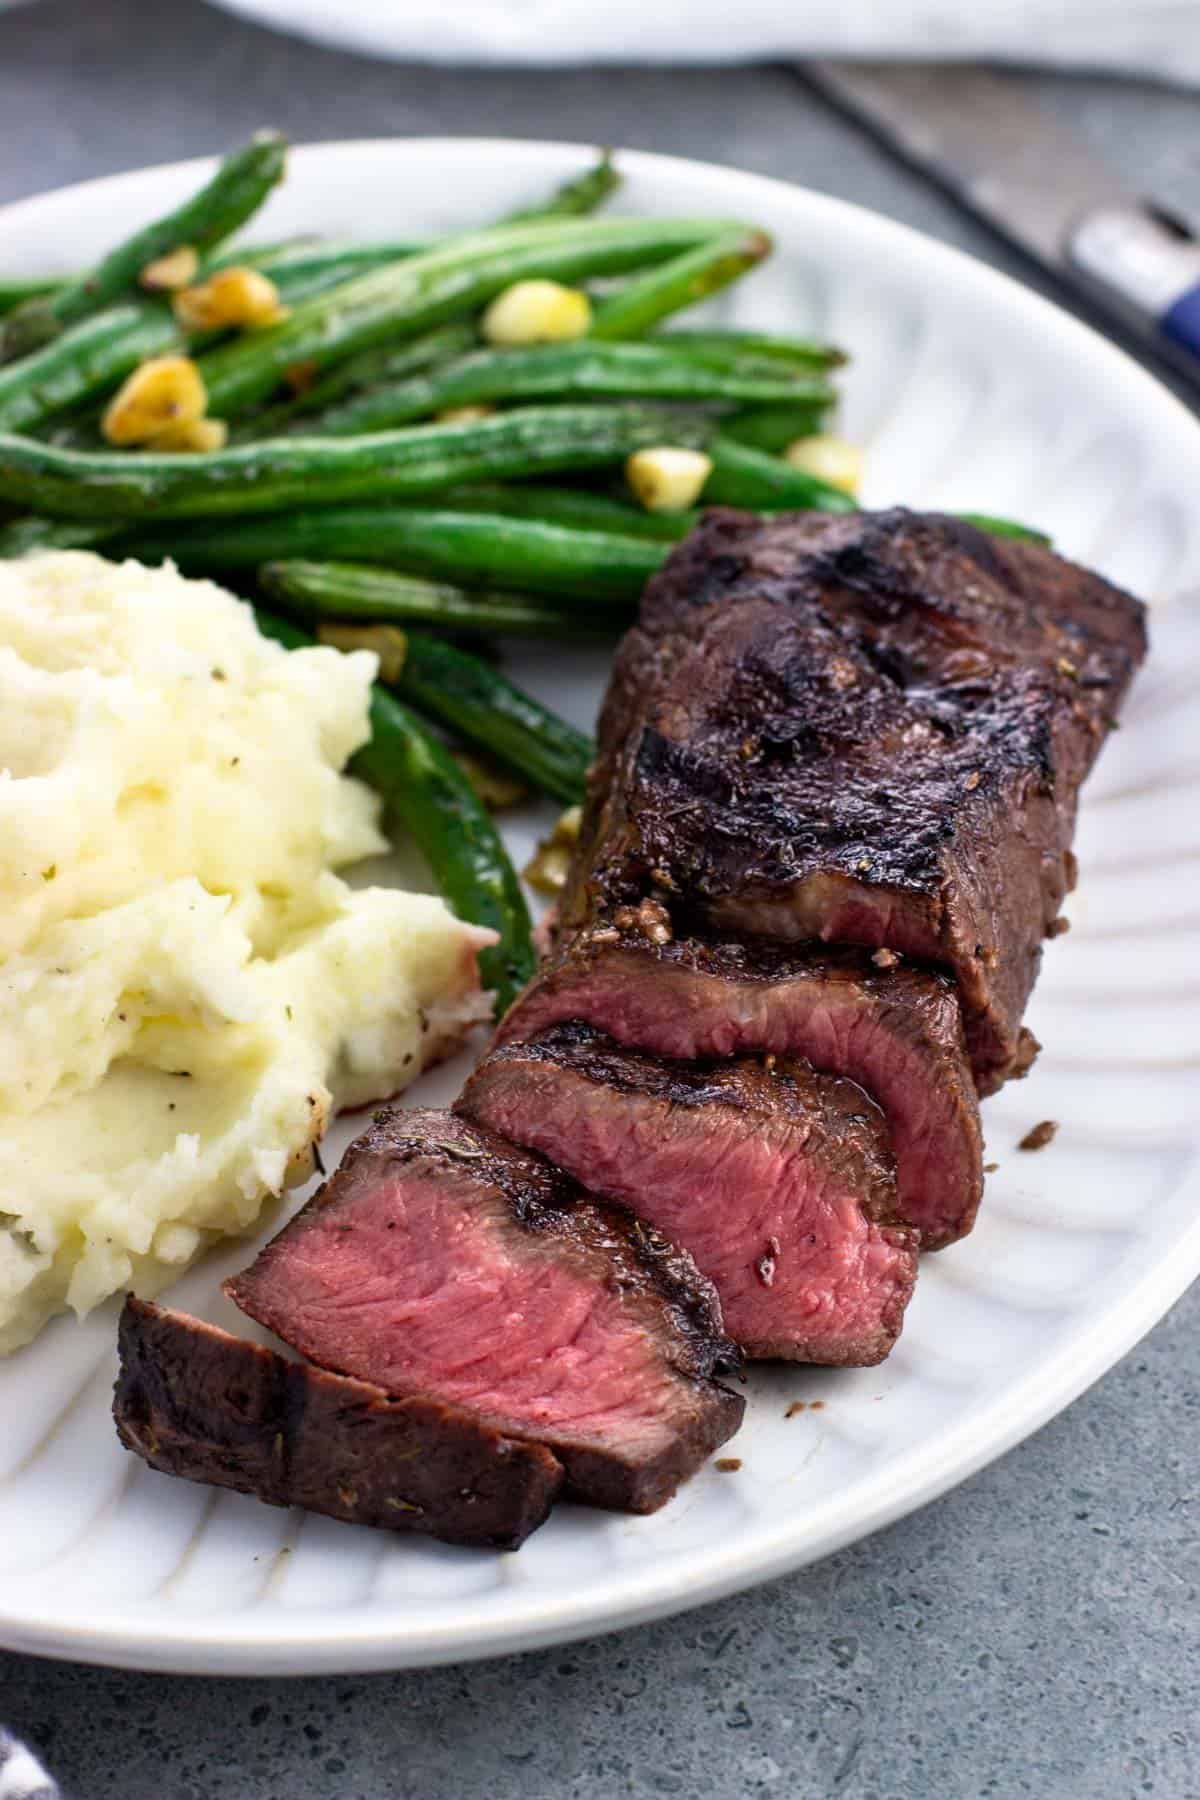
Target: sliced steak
(196,1402)
(895,1030)
(440,1262)
(777,1180)
(868,729)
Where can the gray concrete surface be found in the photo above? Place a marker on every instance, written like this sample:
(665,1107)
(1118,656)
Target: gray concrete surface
(1034,1633)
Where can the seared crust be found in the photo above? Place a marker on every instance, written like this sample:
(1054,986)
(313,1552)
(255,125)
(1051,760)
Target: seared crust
(193,1401)
(866,729)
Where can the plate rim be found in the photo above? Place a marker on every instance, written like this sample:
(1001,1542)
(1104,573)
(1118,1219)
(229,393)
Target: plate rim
(922,1473)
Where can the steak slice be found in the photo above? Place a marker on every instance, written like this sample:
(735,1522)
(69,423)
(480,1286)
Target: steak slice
(777,1180)
(196,1402)
(895,1030)
(439,1262)
(867,729)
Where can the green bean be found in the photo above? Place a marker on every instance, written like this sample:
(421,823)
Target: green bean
(311,267)
(310,409)
(302,257)
(237,190)
(534,547)
(711,342)
(475,702)
(1009,528)
(424,791)
(93,355)
(476,549)
(574,198)
(233,195)
(579,509)
(16,290)
(19,536)
(684,281)
(773,428)
(96,354)
(582,194)
(286,471)
(559,372)
(360,592)
(742,476)
(449,281)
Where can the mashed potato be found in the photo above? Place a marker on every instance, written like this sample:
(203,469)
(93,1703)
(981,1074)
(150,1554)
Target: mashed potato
(186,986)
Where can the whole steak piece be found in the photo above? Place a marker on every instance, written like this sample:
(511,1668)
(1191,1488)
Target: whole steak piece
(778,1181)
(194,1401)
(894,1029)
(440,1263)
(864,729)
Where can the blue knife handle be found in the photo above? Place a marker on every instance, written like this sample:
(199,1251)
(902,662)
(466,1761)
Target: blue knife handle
(1181,321)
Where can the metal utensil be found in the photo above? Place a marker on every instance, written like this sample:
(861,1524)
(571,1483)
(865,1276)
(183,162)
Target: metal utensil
(1039,185)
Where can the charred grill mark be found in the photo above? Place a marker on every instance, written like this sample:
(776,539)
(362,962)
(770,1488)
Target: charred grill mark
(872,725)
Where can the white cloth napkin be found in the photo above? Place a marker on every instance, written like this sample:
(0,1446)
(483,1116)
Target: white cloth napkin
(1149,37)
(22,1776)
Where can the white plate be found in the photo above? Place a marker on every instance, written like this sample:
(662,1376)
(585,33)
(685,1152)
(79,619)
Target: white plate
(970,392)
